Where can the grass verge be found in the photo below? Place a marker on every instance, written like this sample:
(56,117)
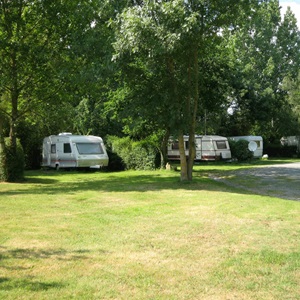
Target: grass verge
(145,235)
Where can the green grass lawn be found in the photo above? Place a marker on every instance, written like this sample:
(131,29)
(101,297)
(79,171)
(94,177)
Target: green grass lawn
(145,235)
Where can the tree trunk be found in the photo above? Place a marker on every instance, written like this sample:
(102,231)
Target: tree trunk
(14,103)
(2,144)
(183,159)
(2,147)
(164,149)
(193,105)
(192,155)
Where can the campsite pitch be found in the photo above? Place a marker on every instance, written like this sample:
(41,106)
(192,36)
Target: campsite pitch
(145,235)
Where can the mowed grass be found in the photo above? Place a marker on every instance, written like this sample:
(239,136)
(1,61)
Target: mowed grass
(145,235)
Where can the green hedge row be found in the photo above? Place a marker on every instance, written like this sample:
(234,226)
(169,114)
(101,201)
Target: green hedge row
(124,153)
(276,150)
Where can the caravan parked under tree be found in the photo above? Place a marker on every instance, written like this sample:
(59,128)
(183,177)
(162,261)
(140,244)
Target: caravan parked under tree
(208,147)
(255,143)
(74,151)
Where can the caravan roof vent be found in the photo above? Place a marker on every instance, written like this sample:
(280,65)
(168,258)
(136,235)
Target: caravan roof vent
(65,133)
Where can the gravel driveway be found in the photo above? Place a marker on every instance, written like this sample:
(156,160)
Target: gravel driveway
(280,180)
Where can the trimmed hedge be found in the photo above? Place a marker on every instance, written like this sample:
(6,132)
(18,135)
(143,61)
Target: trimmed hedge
(12,164)
(239,150)
(125,153)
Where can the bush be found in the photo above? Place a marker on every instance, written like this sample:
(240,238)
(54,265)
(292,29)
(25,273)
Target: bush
(239,150)
(12,164)
(115,161)
(140,155)
(277,150)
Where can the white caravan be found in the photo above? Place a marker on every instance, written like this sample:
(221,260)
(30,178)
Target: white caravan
(208,147)
(255,143)
(293,140)
(74,151)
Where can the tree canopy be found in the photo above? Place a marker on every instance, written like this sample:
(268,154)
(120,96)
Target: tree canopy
(148,68)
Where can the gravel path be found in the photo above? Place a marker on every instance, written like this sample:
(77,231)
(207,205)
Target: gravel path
(282,180)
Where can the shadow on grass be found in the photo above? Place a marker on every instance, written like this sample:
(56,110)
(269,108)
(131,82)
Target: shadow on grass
(281,181)
(40,180)
(30,283)
(210,177)
(29,253)
(9,284)
(113,182)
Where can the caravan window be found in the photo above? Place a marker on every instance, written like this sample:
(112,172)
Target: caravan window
(89,148)
(175,146)
(221,145)
(67,148)
(53,148)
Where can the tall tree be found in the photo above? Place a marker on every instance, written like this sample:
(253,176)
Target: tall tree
(291,125)
(264,51)
(178,36)
(36,42)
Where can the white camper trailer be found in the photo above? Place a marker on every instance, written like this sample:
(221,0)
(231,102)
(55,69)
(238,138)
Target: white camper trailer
(293,140)
(208,147)
(74,151)
(255,143)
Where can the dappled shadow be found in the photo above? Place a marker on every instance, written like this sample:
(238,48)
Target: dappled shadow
(30,283)
(39,180)
(275,180)
(281,181)
(30,253)
(288,171)
(111,183)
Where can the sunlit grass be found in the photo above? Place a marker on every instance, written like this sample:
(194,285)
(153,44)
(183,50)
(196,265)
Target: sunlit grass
(145,235)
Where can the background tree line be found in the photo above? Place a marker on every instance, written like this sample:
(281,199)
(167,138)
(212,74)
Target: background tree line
(146,69)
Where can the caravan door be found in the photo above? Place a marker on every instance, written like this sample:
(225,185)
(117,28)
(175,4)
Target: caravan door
(65,154)
(205,149)
(53,156)
(46,152)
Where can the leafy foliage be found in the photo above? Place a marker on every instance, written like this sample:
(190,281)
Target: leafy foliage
(277,150)
(171,63)
(139,155)
(38,56)
(146,69)
(292,108)
(239,150)
(11,162)
(264,51)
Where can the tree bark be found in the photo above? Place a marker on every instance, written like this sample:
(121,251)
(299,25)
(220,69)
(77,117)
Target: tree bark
(14,103)
(194,100)
(2,144)
(164,149)
(183,159)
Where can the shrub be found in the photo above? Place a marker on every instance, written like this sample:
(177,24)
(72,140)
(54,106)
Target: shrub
(239,150)
(140,155)
(12,164)
(277,150)
(115,161)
